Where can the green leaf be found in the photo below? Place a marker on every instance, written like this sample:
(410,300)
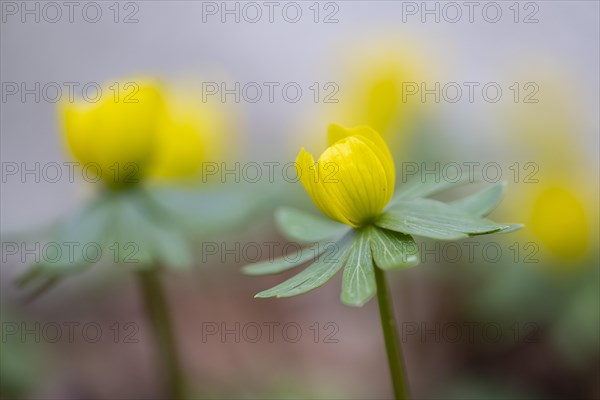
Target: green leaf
(131,237)
(306,227)
(78,238)
(50,282)
(482,202)
(40,278)
(316,274)
(393,250)
(358,281)
(30,275)
(172,248)
(70,247)
(511,228)
(145,238)
(204,210)
(284,263)
(434,219)
(426,186)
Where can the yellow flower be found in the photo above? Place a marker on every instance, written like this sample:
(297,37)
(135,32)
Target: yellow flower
(181,149)
(136,133)
(560,222)
(560,210)
(353,180)
(561,217)
(116,137)
(376,97)
(192,134)
(381,80)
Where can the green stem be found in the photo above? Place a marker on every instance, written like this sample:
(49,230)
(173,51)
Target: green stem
(158,314)
(392,346)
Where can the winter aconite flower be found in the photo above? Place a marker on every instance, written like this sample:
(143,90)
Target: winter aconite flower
(352,183)
(353,179)
(133,134)
(141,140)
(381,79)
(556,196)
(116,132)
(382,89)
(134,138)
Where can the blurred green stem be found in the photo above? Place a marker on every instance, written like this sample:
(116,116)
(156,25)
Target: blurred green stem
(158,314)
(390,335)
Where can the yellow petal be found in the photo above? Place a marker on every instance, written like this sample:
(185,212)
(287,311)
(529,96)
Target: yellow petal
(376,143)
(118,133)
(360,189)
(181,150)
(309,175)
(194,133)
(353,180)
(76,120)
(335,133)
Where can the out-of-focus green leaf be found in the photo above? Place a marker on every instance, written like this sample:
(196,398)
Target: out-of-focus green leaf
(142,237)
(306,227)
(73,246)
(482,202)
(358,281)
(80,239)
(284,263)
(117,227)
(393,250)
(204,210)
(330,262)
(434,219)
(131,234)
(172,249)
(426,186)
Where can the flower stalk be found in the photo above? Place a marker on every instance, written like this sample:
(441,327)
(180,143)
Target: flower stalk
(158,315)
(390,336)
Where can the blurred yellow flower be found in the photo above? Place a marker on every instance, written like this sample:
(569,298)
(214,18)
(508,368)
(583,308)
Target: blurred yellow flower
(559,221)
(181,149)
(376,91)
(353,180)
(116,135)
(376,79)
(559,208)
(134,135)
(376,98)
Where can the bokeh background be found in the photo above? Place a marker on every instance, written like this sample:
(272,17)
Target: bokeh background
(515,325)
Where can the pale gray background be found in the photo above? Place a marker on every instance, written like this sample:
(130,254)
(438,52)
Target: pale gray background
(171,40)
